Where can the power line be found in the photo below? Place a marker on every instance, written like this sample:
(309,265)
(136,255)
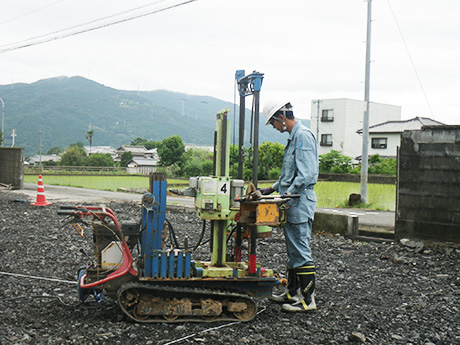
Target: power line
(44,38)
(410,58)
(80,25)
(26,14)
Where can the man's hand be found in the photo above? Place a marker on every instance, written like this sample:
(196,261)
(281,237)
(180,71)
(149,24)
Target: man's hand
(286,195)
(266,191)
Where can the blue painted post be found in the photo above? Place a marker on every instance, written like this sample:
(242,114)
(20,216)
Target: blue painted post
(163,264)
(155,265)
(171,265)
(187,265)
(180,266)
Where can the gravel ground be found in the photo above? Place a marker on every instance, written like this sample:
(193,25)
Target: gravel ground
(373,293)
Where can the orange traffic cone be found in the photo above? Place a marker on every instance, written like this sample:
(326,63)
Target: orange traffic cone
(41,199)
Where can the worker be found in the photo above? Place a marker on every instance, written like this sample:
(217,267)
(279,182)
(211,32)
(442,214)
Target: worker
(299,174)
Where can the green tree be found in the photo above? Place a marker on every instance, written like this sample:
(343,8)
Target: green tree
(151,144)
(89,137)
(171,150)
(55,150)
(73,156)
(270,160)
(99,160)
(334,162)
(78,144)
(148,144)
(125,158)
(138,141)
(196,162)
(1,138)
(234,153)
(50,163)
(383,166)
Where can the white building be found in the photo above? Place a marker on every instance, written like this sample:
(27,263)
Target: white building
(152,153)
(335,123)
(35,160)
(137,151)
(142,166)
(101,149)
(384,138)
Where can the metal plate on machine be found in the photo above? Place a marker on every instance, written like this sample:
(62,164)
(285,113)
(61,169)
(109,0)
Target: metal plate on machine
(260,213)
(112,256)
(267,214)
(209,186)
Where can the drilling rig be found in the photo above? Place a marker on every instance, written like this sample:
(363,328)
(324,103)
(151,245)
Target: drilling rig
(152,283)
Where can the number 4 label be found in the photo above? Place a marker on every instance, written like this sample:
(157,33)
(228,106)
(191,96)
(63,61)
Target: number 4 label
(222,188)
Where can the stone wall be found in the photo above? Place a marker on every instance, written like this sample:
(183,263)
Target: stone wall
(428,189)
(12,167)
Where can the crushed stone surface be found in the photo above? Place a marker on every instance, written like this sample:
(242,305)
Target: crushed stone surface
(371,293)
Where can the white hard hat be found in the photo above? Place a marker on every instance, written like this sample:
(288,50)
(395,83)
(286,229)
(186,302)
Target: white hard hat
(272,107)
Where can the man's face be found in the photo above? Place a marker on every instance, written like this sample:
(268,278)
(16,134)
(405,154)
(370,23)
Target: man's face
(277,123)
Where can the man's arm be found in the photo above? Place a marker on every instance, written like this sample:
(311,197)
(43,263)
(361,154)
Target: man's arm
(306,160)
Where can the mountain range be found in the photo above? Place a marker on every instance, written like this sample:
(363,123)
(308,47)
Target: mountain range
(59,111)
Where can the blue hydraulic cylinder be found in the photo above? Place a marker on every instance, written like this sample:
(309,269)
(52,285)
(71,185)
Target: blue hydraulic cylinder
(154,264)
(180,264)
(153,218)
(163,264)
(171,265)
(187,265)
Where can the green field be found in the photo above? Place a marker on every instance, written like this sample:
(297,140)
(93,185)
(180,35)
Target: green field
(329,194)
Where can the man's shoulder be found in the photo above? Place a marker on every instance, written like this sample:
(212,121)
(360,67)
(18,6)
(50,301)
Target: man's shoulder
(304,135)
(303,130)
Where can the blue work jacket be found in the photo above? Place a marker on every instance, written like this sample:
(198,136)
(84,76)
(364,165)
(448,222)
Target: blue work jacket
(299,173)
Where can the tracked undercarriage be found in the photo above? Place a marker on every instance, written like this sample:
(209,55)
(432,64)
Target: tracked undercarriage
(148,303)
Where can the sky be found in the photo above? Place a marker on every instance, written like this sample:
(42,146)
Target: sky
(307,49)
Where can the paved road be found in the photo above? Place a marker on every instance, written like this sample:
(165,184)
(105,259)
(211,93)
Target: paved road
(63,195)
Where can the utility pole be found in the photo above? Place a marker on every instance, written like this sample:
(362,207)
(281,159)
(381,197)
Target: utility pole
(317,119)
(13,136)
(365,152)
(40,164)
(3,122)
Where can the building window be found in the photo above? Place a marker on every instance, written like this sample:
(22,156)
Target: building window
(326,140)
(379,143)
(327,115)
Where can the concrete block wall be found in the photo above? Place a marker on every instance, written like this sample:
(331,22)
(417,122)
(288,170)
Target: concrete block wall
(12,167)
(428,187)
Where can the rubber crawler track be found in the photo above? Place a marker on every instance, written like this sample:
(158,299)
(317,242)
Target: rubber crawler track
(129,295)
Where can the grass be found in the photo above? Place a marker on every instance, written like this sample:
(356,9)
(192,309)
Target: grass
(380,196)
(329,194)
(335,194)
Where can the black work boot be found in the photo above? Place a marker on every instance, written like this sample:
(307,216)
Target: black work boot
(306,275)
(290,293)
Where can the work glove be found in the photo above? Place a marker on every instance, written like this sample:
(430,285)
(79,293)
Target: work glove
(266,191)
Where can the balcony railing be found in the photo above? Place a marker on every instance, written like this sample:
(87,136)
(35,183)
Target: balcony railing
(326,143)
